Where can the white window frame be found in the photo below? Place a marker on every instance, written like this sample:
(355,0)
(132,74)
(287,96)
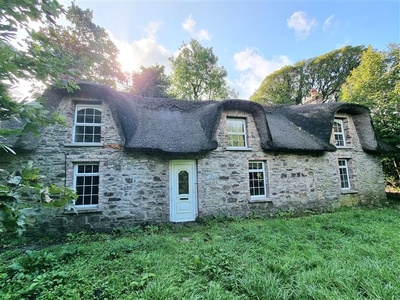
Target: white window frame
(79,107)
(87,174)
(340,133)
(235,133)
(344,175)
(264,183)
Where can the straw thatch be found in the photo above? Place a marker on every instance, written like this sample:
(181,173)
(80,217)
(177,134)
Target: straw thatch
(180,126)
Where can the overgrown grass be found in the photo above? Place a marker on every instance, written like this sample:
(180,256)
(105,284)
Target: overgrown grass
(350,254)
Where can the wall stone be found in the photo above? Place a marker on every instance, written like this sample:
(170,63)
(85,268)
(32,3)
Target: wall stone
(134,187)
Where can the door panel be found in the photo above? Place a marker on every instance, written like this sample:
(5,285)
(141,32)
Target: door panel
(183,196)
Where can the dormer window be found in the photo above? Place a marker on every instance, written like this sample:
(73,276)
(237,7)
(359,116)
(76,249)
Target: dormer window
(339,135)
(87,124)
(237,137)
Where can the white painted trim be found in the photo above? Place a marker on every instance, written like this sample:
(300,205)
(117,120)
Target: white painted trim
(244,133)
(259,197)
(346,168)
(341,133)
(191,166)
(83,106)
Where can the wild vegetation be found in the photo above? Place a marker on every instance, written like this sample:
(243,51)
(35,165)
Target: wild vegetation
(326,73)
(197,76)
(57,55)
(348,254)
(375,83)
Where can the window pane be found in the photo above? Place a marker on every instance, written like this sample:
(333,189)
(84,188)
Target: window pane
(95,199)
(85,132)
(257,179)
(97,117)
(79,201)
(96,139)
(236,132)
(87,187)
(80,116)
(344,174)
(89,119)
(339,133)
(337,127)
(183,178)
(87,200)
(89,130)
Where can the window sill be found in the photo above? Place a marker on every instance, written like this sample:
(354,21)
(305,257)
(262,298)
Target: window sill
(79,210)
(345,192)
(260,200)
(83,145)
(238,149)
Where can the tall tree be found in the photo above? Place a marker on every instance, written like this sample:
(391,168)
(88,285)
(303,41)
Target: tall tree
(376,84)
(85,48)
(325,73)
(18,63)
(284,86)
(196,74)
(151,82)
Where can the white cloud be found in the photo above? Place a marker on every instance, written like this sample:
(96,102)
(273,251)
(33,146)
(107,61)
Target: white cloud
(144,52)
(301,25)
(253,68)
(189,25)
(152,29)
(328,23)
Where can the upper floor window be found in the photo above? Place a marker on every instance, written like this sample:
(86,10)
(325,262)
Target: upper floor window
(87,123)
(339,135)
(86,184)
(237,137)
(257,180)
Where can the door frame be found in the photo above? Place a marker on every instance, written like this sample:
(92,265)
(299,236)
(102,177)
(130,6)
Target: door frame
(173,193)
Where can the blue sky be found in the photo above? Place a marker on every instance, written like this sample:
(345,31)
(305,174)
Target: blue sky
(251,38)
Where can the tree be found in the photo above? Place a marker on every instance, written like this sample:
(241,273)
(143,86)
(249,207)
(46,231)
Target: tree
(281,87)
(151,82)
(196,74)
(17,63)
(325,73)
(34,62)
(85,48)
(375,83)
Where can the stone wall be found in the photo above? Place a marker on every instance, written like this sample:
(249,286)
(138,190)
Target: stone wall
(134,187)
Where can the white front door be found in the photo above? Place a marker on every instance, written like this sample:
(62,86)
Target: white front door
(183,191)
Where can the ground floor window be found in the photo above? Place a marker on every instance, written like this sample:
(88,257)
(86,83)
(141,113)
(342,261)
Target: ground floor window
(86,183)
(257,180)
(344,173)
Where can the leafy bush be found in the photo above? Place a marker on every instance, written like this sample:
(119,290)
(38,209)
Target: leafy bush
(24,188)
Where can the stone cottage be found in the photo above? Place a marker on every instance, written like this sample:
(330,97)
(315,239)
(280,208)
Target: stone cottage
(134,160)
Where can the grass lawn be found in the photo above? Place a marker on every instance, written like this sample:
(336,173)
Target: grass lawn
(349,254)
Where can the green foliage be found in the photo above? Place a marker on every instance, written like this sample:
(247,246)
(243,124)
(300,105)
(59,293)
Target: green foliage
(24,188)
(375,83)
(326,73)
(53,56)
(348,254)
(84,48)
(18,63)
(196,74)
(151,82)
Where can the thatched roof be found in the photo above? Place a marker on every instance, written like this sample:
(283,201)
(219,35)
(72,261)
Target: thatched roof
(179,126)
